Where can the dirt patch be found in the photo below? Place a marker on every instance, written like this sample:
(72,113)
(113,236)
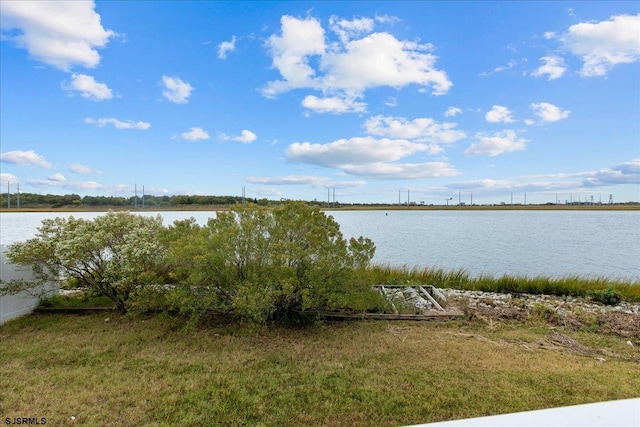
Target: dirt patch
(568,313)
(622,324)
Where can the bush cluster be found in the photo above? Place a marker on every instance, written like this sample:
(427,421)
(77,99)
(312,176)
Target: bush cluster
(287,263)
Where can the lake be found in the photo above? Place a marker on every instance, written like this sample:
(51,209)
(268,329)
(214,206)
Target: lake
(520,242)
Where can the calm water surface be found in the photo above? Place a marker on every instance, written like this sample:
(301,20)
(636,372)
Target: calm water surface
(555,243)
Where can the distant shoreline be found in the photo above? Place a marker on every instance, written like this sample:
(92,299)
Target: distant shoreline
(195,208)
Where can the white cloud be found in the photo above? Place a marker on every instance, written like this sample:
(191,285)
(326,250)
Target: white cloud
(28,158)
(313,181)
(420,129)
(345,152)
(8,178)
(344,67)
(499,114)
(497,143)
(403,170)
(57,177)
(58,33)
(246,137)
(553,67)
(452,111)
(195,134)
(54,181)
(346,29)
(605,44)
(226,47)
(387,19)
(380,155)
(88,87)
(334,105)
(176,90)
(78,168)
(398,63)
(502,68)
(289,52)
(623,173)
(549,35)
(629,168)
(118,124)
(392,101)
(369,157)
(549,112)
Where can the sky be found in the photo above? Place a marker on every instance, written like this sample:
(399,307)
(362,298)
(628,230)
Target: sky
(379,102)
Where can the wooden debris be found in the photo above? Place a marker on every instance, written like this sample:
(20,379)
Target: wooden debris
(425,302)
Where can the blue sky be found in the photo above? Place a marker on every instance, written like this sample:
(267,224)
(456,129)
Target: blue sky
(379,100)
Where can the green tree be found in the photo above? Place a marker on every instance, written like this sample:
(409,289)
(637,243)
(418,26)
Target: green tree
(112,255)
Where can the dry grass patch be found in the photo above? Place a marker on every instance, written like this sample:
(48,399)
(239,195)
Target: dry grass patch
(154,372)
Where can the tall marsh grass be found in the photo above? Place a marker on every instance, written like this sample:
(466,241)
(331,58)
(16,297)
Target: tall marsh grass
(577,286)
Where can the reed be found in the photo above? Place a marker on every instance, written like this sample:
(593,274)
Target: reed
(576,286)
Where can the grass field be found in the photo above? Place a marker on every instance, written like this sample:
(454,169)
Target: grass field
(104,369)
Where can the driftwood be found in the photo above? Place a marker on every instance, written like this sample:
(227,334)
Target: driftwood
(422,297)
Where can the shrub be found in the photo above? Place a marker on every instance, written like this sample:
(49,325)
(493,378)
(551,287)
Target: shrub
(111,255)
(285,263)
(608,296)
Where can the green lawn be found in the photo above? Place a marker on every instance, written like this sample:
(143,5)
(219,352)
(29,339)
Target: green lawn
(131,371)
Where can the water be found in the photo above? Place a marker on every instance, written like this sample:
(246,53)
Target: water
(553,243)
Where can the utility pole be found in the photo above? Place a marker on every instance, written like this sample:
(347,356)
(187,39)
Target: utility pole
(143,197)
(18,195)
(135,196)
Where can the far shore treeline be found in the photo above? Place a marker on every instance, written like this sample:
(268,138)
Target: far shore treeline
(71,202)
